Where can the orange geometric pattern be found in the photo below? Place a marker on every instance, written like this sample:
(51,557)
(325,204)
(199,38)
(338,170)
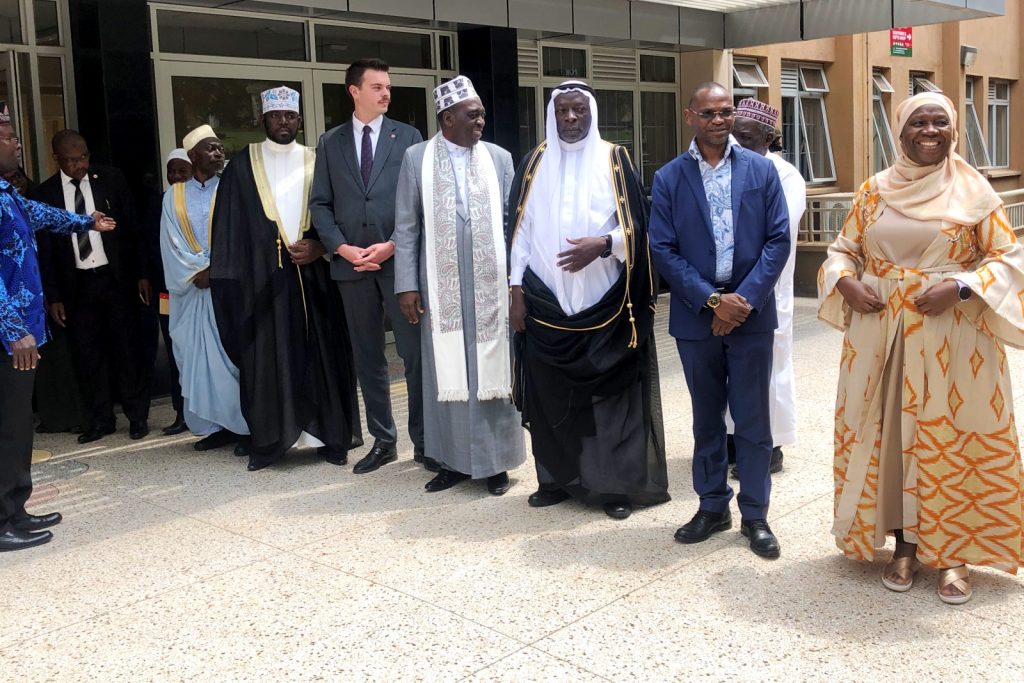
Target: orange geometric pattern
(963,488)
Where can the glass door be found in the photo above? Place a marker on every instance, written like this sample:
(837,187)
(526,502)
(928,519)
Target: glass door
(227,97)
(411,101)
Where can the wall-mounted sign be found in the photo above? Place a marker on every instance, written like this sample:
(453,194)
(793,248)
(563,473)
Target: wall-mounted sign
(901,42)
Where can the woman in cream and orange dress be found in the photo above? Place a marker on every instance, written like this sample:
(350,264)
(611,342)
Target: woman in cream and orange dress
(927,282)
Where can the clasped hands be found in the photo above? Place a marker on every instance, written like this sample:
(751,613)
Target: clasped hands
(731,312)
(935,300)
(368,258)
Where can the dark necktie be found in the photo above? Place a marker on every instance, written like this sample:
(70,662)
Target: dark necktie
(84,245)
(366,157)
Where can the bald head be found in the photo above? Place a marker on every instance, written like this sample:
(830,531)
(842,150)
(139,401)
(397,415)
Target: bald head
(66,137)
(705,88)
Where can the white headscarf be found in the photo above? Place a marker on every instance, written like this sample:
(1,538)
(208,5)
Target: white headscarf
(589,162)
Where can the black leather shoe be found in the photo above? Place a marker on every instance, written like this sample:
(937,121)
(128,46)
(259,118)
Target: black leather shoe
(543,498)
(95,434)
(618,509)
(499,484)
(380,454)
(333,455)
(15,539)
(259,462)
(138,429)
(429,464)
(703,525)
(762,540)
(357,442)
(445,479)
(242,447)
(31,523)
(219,439)
(176,427)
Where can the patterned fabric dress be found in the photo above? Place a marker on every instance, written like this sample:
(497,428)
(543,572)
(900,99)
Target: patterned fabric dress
(925,439)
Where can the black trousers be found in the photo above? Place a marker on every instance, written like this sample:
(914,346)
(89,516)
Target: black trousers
(102,323)
(176,400)
(15,439)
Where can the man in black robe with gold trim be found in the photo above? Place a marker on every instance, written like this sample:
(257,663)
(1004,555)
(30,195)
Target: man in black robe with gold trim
(583,301)
(279,314)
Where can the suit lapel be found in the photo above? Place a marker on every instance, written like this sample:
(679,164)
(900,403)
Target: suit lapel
(739,181)
(385,143)
(348,151)
(691,171)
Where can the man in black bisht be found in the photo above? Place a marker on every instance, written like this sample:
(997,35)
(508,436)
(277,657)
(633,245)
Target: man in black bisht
(279,314)
(583,299)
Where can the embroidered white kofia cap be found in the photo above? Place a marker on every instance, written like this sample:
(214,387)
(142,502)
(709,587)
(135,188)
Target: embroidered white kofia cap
(280,99)
(459,89)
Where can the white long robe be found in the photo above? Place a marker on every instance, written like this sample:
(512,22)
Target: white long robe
(782,391)
(209,380)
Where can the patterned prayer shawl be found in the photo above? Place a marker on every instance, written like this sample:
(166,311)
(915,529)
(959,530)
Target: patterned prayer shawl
(483,194)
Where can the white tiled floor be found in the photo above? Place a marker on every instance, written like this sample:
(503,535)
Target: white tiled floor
(176,565)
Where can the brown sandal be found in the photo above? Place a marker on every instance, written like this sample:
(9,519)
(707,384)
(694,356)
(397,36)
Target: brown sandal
(959,578)
(903,567)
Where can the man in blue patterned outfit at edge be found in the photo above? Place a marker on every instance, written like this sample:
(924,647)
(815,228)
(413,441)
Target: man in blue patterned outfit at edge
(22,330)
(209,380)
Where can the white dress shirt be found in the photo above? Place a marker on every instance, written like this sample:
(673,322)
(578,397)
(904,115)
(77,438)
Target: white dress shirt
(357,132)
(460,163)
(98,257)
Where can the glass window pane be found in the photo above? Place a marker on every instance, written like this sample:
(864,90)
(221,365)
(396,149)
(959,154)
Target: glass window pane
(527,121)
(445,48)
(922,84)
(999,115)
(790,140)
(10,22)
(748,75)
(813,79)
(230,105)
(47,25)
(344,45)
(884,144)
(882,83)
(814,127)
(565,62)
(408,105)
(51,98)
(977,154)
(30,142)
(657,69)
(657,132)
(615,117)
(1003,90)
(230,36)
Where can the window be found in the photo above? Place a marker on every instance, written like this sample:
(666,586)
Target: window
(657,69)
(748,74)
(346,44)
(527,120)
(977,152)
(615,117)
(196,33)
(657,132)
(999,122)
(10,21)
(921,82)
(884,147)
(47,22)
(805,122)
(565,62)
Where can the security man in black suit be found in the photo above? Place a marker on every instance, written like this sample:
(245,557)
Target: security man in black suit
(96,285)
(352,203)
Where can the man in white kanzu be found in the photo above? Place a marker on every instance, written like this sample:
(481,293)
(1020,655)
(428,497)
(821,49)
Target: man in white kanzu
(280,317)
(450,277)
(754,128)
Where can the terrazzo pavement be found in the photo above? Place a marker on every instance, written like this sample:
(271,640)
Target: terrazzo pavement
(173,565)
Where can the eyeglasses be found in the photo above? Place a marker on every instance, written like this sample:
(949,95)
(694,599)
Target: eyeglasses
(13,139)
(710,114)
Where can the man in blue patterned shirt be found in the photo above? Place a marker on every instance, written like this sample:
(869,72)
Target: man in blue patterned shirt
(22,330)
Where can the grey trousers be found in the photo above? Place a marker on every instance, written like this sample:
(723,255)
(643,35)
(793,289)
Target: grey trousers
(367,301)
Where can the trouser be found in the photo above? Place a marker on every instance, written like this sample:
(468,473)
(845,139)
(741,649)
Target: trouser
(367,301)
(176,400)
(733,370)
(101,323)
(15,439)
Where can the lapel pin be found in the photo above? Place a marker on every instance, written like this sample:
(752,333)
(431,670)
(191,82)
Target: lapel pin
(392,136)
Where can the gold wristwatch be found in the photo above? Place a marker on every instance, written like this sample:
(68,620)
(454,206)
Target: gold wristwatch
(714,300)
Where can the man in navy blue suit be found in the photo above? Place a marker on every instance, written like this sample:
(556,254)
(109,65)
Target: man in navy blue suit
(719,235)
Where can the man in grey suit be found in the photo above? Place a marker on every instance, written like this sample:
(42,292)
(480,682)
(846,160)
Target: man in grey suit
(451,274)
(352,203)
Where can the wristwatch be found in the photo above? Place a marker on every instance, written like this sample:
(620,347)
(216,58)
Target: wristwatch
(607,246)
(714,300)
(964,292)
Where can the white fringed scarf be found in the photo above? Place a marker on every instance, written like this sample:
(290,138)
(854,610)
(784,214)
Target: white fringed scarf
(483,197)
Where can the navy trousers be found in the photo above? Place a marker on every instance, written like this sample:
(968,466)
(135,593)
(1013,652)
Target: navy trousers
(734,369)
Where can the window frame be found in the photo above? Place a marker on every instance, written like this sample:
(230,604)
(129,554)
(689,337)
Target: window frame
(881,127)
(971,119)
(737,77)
(802,151)
(995,103)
